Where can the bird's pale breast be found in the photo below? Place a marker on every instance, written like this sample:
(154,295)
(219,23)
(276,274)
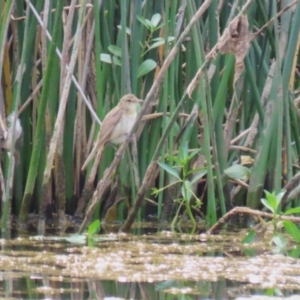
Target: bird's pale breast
(122,129)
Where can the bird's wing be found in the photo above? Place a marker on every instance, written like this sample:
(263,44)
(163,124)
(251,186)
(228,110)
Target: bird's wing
(90,157)
(109,123)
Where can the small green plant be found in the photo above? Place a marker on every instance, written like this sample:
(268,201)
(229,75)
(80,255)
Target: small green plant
(94,228)
(186,178)
(148,64)
(153,25)
(273,203)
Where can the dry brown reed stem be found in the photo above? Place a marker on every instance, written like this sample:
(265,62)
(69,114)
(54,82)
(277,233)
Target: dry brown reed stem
(60,171)
(149,98)
(87,102)
(86,18)
(242,148)
(295,62)
(80,137)
(65,46)
(161,114)
(63,103)
(291,187)
(29,99)
(240,136)
(249,211)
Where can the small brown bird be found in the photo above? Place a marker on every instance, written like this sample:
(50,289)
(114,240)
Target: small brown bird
(116,125)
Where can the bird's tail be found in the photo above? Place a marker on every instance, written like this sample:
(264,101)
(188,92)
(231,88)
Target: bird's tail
(95,149)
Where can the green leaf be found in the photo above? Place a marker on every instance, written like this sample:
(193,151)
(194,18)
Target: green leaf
(186,190)
(199,176)
(184,152)
(292,229)
(115,50)
(269,206)
(272,201)
(238,172)
(147,66)
(107,59)
(250,237)
(94,227)
(155,191)
(272,196)
(144,21)
(155,20)
(169,39)
(174,159)
(295,253)
(291,211)
(169,170)
(160,42)
(157,44)
(193,153)
(158,39)
(269,292)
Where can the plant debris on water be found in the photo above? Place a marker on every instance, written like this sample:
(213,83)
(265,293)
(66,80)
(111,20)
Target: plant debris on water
(153,258)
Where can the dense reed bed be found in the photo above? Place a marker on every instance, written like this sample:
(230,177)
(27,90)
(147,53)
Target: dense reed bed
(219,123)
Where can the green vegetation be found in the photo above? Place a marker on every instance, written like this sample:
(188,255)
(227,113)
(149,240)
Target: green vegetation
(273,203)
(187,187)
(218,91)
(94,228)
(279,221)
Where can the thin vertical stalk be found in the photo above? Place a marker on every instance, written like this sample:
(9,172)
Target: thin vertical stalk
(164,104)
(100,86)
(3,29)
(16,99)
(135,47)
(291,52)
(37,143)
(279,107)
(61,110)
(125,73)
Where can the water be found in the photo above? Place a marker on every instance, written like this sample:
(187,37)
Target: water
(153,265)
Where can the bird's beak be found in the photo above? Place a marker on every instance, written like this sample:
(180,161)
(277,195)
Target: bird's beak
(139,100)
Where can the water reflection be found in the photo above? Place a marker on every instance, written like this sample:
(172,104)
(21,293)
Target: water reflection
(159,265)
